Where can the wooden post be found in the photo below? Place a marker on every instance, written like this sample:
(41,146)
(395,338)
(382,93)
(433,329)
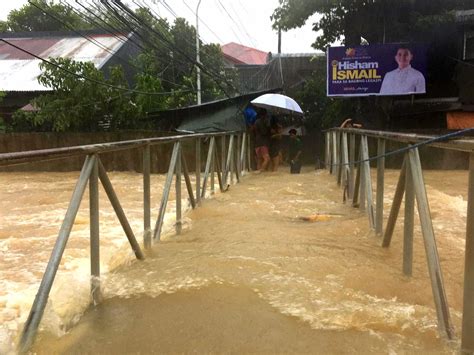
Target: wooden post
(189,186)
(355,196)
(408,223)
(437,285)
(208,166)
(380,186)
(467,344)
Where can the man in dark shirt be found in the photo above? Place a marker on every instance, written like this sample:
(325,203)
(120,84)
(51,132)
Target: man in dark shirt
(294,153)
(262,140)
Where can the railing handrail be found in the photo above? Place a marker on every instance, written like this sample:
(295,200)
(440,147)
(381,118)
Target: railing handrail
(464,145)
(64,152)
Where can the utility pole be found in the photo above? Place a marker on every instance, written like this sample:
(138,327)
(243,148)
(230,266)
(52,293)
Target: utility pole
(198,70)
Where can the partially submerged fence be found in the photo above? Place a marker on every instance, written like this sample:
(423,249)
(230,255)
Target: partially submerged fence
(227,157)
(354,175)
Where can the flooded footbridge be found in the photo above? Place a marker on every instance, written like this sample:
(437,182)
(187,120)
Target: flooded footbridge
(275,263)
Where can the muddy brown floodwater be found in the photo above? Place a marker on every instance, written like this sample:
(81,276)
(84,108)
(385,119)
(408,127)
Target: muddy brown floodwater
(250,272)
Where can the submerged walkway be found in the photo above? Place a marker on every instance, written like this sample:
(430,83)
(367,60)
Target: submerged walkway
(276,264)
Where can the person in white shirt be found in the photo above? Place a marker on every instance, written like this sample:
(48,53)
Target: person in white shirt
(404,79)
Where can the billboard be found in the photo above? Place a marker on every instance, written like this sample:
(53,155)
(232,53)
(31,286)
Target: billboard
(380,69)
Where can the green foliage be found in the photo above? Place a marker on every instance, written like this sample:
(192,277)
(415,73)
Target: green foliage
(321,112)
(31,18)
(78,104)
(372,20)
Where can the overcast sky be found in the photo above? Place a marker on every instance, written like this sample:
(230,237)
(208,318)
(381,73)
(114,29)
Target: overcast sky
(222,21)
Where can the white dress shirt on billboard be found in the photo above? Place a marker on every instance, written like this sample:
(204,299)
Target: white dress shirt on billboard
(403,81)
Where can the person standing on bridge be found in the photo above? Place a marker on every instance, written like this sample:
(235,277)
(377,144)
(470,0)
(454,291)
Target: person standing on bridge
(295,149)
(262,140)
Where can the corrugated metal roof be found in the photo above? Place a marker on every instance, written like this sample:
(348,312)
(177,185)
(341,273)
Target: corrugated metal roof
(243,55)
(19,71)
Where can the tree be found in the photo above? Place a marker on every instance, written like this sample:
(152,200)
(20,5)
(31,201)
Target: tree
(79,104)
(371,20)
(30,17)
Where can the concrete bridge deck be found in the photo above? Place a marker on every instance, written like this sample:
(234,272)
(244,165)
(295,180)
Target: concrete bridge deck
(277,264)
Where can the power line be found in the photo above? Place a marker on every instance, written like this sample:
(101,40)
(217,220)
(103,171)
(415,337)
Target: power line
(231,28)
(204,69)
(204,23)
(242,25)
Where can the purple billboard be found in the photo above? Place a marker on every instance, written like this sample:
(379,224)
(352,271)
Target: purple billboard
(381,69)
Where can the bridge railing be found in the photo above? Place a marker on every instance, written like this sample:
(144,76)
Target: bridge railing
(352,172)
(228,157)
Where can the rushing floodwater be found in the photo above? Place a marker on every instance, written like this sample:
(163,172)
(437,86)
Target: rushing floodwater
(331,274)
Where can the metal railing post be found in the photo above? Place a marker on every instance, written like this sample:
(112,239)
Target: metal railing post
(210,152)
(109,190)
(198,171)
(380,186)
(178,192)
(94,232)
(166,191)
(146,198)
(437,285)
(242,153)
(37,309)
(467,342)
(408,223)
(352,147)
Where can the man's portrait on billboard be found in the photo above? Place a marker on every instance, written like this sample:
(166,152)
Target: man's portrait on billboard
(404,79)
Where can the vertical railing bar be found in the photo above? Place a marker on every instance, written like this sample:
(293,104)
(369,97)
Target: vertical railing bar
(352,146)
(189,186)
(114,201)
(333,153)
(37,309)
(467,340)
(356,193)
(368,184)
(219,170)
(146,198)
(213,168)
(242,153)
(94,232)
(345,164)
(208,166)
(408,223)
(380,186)
(166,192)
(228,165)
(339,167)
(249,154)
(198,171)
(178,224)
(327,155)
(396,202)
(434,268)
(363,172)
(223,163)
(232,144)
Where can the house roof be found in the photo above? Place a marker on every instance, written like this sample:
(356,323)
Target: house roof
(19,71)
(239,54)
